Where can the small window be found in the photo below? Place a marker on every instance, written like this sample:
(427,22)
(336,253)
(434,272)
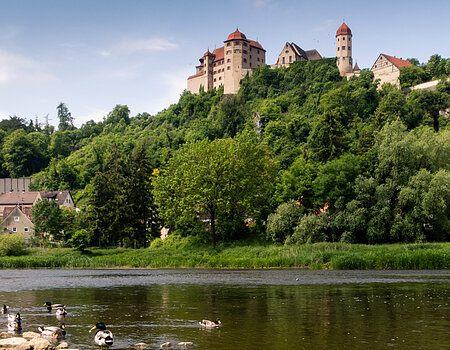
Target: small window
(228,60)
(349,48)
(236,43)
(287,51)
(250,56)
(228,68)
(25,229)
(245,44)
(343,38)
(214,79)
(228,52)
(220,78)
(244,51)
(214,72)
(16,218)
(343,47)
(245,60)
(290,59)
(284,60)
(228,44)
(257,51)
(338,48)
(258,59)
(14,229)
(237,51)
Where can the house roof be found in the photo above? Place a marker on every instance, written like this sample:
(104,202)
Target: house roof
(398,62)
(313,54)
(218,53)
(256,44)
(196,75)
(8,210)
(356,68)
(19,198)
(236,35)
(58,196)
(343,30)
(298,50)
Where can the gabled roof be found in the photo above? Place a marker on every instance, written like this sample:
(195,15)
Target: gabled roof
(398,62)
(24,210)
(298,50)
(356,68)
(343,30)
(19,198)
(313,54)
(255,44)
(58,196)
(196,75)
(218,53)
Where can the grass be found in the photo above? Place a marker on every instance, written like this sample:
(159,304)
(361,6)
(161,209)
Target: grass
(337,256)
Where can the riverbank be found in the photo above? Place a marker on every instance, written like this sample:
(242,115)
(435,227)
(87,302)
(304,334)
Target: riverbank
(336,256)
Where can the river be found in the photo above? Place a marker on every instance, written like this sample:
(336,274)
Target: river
(259,309)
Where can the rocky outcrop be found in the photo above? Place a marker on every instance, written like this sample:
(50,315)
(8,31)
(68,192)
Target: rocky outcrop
(28,341)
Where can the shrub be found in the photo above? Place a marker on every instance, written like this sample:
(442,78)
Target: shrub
(311,229)
(280,224)
(12,244)
(79,240)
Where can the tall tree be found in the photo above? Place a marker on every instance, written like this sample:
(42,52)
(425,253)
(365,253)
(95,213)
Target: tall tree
(65,117)
(211,179)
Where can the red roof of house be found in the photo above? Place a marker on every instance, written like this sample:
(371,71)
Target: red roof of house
(207,53)
(236,35)
(218,53)
(398,62)
(20,198)
(24,210)
(196,75)
(343,30)
(256,44)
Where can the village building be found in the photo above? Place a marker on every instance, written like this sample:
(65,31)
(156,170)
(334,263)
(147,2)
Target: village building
(387,69)
(227,65)
(292,52)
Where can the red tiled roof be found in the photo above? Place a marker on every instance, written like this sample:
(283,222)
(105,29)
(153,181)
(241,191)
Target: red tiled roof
(18,198)
(218,53)
(236,35)
(25,210)
(207,53)
(343,30)
(398,62)
(196,75)
(256,44)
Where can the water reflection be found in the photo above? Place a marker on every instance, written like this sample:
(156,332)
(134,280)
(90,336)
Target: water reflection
(157,306)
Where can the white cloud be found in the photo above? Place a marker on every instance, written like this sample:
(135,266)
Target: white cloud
(17,68)
(139,45)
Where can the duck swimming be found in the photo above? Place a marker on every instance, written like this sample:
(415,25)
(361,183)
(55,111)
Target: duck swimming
(210,324)
(103,337)
(4,309)
(14,323)
(61,312)
(54,332)
(51,306)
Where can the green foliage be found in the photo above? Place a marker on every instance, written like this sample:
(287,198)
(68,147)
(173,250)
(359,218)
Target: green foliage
(47,219)
(12,244)
(65,117)
(310,229)
(281,224)
(79,240)
(412,75)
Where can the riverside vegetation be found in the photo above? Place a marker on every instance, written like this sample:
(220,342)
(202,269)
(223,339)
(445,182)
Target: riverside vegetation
(299,155)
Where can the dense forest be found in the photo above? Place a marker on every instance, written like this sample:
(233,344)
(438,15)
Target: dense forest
(299,155)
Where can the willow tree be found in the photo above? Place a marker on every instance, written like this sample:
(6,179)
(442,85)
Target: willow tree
(208,179)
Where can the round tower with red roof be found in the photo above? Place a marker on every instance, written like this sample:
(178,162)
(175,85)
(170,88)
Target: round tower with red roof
(344,49)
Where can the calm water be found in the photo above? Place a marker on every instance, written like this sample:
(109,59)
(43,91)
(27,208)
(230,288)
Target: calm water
(262,309)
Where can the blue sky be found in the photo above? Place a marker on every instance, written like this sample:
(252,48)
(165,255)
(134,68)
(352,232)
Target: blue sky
(95,54)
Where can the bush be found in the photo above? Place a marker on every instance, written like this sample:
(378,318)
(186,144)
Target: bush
(12,244)
(280,225)
(79,240)
(311,229)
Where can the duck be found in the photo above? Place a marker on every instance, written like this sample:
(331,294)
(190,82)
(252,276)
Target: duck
(210,324)
(4,309)
(54,332)
(14,322)
(61,312)
(51,306)
(103,337)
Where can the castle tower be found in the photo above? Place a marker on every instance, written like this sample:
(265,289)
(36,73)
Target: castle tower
(234,46)
(344,49)
(208,59)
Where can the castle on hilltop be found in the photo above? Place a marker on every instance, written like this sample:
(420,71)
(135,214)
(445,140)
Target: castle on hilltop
(228,64)
(239,56)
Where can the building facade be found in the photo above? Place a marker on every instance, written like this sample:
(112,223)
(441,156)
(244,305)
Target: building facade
(292,52)
(227,65)
(387,69)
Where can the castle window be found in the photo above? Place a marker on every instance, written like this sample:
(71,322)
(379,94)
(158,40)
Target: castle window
(214,72)
(284,61)
(14,229)
(245,60)
(290,59)
(244,51)
(236,43)
(228,44)
(237,51)
(338,48)
(287,51)
(343,38)
(214,79)
(343,47)
(220,78)
(228,68)
(250,48)
(245,44)
(349,48)
(257,51)
(250,56)
(228,60)
(250,64)
(258,59)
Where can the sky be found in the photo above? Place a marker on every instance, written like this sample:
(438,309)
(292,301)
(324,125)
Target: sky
(95,54)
